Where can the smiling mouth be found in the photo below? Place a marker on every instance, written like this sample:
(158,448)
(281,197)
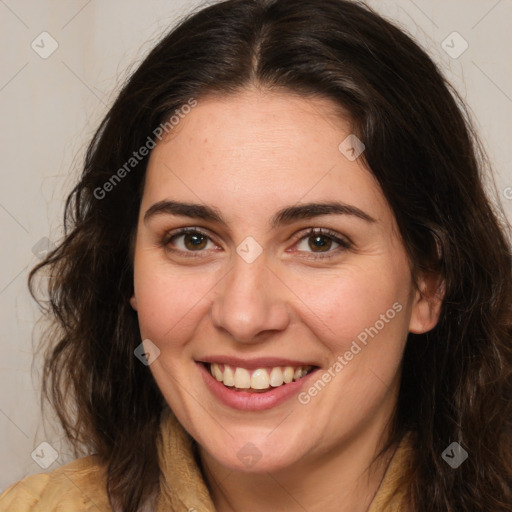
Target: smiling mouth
(259,380)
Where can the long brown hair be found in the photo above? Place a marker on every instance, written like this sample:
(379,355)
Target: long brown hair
(457,378)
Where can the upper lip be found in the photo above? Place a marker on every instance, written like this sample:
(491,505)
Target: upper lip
(254,363)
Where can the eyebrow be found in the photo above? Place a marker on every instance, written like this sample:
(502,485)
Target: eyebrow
(285,216)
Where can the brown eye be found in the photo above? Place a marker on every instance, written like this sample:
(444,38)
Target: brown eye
(320,242)
(187,240)
(194,241)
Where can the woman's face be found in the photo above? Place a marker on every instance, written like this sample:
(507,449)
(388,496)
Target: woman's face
(251,288)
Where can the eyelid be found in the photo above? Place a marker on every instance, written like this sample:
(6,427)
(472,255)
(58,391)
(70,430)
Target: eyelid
(337,237)
(183,231)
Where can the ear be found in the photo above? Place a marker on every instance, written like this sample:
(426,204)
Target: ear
(133,302)
(427,303)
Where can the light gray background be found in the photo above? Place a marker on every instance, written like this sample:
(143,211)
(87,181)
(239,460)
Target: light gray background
(51,107)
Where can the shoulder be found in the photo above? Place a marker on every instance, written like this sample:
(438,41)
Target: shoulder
(79,486)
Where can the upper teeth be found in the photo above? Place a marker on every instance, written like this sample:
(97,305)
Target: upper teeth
(260,378)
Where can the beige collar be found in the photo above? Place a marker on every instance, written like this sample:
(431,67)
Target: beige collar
(184,488)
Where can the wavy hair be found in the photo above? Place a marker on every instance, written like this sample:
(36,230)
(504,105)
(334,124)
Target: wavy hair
(420,145)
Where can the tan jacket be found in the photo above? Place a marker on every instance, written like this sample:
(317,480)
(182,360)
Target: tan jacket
(80,485)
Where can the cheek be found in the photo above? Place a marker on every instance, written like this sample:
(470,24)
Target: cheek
(355,300)
(168,303)
(361,318)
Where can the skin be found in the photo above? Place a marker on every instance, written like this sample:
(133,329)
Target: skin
(249,155)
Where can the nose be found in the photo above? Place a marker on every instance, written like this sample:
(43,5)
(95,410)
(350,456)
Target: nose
(250,302)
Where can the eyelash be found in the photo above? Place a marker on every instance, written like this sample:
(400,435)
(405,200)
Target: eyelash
(343,244)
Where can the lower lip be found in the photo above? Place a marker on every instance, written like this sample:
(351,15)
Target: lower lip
(246,401)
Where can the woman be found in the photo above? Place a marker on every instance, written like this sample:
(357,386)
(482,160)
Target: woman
(282,286)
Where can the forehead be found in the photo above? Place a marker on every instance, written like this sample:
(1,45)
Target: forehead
(258,149)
